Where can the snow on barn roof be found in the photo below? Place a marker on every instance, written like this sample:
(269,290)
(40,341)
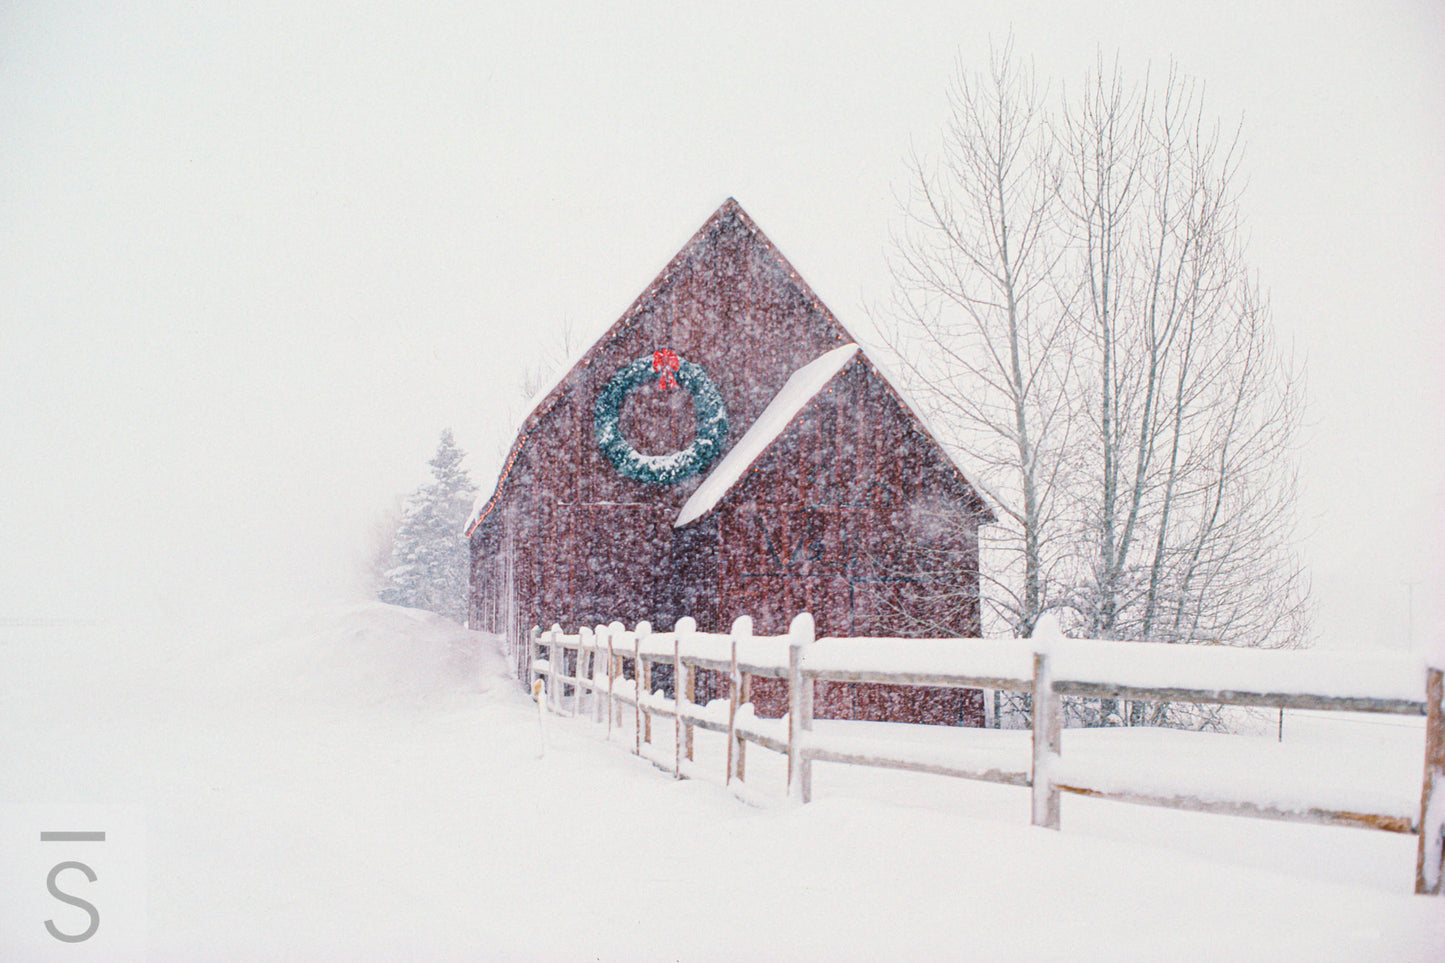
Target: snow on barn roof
(801,387)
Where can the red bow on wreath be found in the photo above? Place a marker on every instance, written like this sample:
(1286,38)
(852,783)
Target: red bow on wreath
(666,362)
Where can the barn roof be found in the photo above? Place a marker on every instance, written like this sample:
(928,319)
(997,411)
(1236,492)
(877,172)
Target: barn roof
(800,389)
(759,435)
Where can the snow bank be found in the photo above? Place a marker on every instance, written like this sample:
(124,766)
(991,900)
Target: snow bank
(1376,770)
(364,783)
(369,653)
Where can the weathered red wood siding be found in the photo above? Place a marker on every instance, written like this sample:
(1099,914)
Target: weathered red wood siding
(856,516)
(827,522)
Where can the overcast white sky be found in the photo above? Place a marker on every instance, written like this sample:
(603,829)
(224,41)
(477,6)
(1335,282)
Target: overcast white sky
(255,256)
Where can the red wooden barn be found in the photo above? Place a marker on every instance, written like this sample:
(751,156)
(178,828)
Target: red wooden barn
(724,450)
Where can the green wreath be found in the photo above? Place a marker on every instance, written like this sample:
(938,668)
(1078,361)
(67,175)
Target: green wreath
(707,403)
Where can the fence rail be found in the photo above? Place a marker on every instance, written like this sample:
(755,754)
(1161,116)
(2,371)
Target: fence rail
(588,673)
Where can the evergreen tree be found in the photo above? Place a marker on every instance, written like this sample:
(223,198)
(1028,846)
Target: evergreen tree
(429,564)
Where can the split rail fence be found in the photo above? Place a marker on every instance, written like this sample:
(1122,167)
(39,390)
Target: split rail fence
(603,672)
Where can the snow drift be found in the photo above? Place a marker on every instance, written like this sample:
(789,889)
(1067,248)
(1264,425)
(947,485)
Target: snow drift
(365,782)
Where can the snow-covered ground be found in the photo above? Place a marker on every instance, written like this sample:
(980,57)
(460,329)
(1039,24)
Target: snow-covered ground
(365,783)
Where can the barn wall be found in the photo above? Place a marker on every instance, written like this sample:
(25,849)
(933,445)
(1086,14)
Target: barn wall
(854,515)
(569,540)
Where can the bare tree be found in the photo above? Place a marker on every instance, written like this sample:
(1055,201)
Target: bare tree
(555,358)
(1073,286)
(1191,408)
(976,318)
(552,363)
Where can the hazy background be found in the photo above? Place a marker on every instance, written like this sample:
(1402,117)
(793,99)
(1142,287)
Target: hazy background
(254,257)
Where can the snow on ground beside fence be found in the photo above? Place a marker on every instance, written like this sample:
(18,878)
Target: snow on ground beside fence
(1362,766)
(1373,770)
(365,783)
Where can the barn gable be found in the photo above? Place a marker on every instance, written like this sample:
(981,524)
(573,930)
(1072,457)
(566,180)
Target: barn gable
(729,300)
(823,505)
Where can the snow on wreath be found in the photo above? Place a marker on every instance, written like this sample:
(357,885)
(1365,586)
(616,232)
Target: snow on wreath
(671,372)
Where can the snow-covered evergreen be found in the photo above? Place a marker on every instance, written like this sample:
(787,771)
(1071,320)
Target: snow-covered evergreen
(428,568)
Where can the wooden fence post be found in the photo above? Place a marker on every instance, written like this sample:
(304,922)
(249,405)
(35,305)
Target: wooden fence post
(637,697)
(610,677)
(593,667)
(542,641)
(558,660)
(682,686)
(575,707)
(800,709)
(733,686)
(1047,720)
(545,641)
(564,702)
(558,663)
(614,667)
(1430,862)
(528,671)
(745,696)
(742,629)
(644,683)
(600,704)
(596,703)
(795,711)
(676,706)
(689,693)
(579,690)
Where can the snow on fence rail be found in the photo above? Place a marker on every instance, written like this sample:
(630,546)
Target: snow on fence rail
(585,675)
